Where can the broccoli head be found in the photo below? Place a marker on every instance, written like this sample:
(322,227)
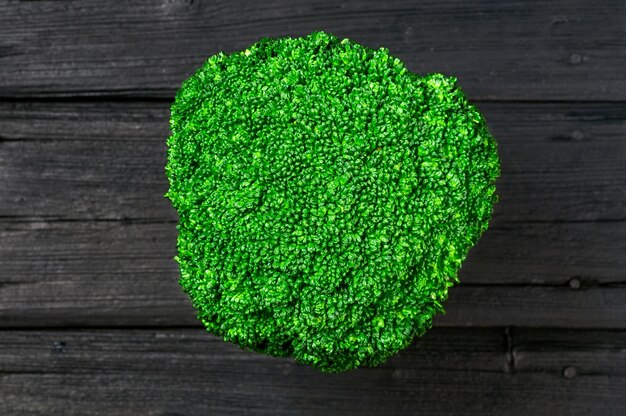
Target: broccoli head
(327,197)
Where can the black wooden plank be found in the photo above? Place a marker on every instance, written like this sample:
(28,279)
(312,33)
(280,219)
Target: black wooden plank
(84,180)
(541,50)
(122,273)
(536,306)
(585,353)
(184,371)
(519,254)
(563,162)
(89,120)
(563,169)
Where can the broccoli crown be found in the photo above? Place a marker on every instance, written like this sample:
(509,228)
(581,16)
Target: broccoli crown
(326,196)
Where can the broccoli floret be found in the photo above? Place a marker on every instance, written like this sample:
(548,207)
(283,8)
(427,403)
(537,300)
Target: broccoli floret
(327,197)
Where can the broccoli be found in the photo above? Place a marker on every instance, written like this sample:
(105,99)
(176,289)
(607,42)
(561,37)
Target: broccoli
(327,197)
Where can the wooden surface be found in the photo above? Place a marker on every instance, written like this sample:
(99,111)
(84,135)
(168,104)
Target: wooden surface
(92,320)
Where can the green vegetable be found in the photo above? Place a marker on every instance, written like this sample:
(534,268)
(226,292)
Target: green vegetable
(327,197)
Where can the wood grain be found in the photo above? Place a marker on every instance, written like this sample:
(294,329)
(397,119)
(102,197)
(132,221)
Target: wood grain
(539,50)
(88,239)
(519,254)
(560,162)
(187,372)
(92,320)
(113,273)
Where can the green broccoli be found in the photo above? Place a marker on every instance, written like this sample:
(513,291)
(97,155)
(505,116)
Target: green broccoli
(327,197)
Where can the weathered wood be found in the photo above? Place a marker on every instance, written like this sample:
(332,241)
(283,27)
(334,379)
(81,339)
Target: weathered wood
(72,351)
(588,353)
(144,303)
(91,121)
(564,162)
(537,327)
(122,273)
(563,169)
(535,306)
(518,254)
(499,50)
(186,372)
(84,180)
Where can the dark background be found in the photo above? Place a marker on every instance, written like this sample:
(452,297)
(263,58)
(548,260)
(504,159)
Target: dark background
(92,320)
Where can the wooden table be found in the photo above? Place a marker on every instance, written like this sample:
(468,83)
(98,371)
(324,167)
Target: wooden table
(92,319)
